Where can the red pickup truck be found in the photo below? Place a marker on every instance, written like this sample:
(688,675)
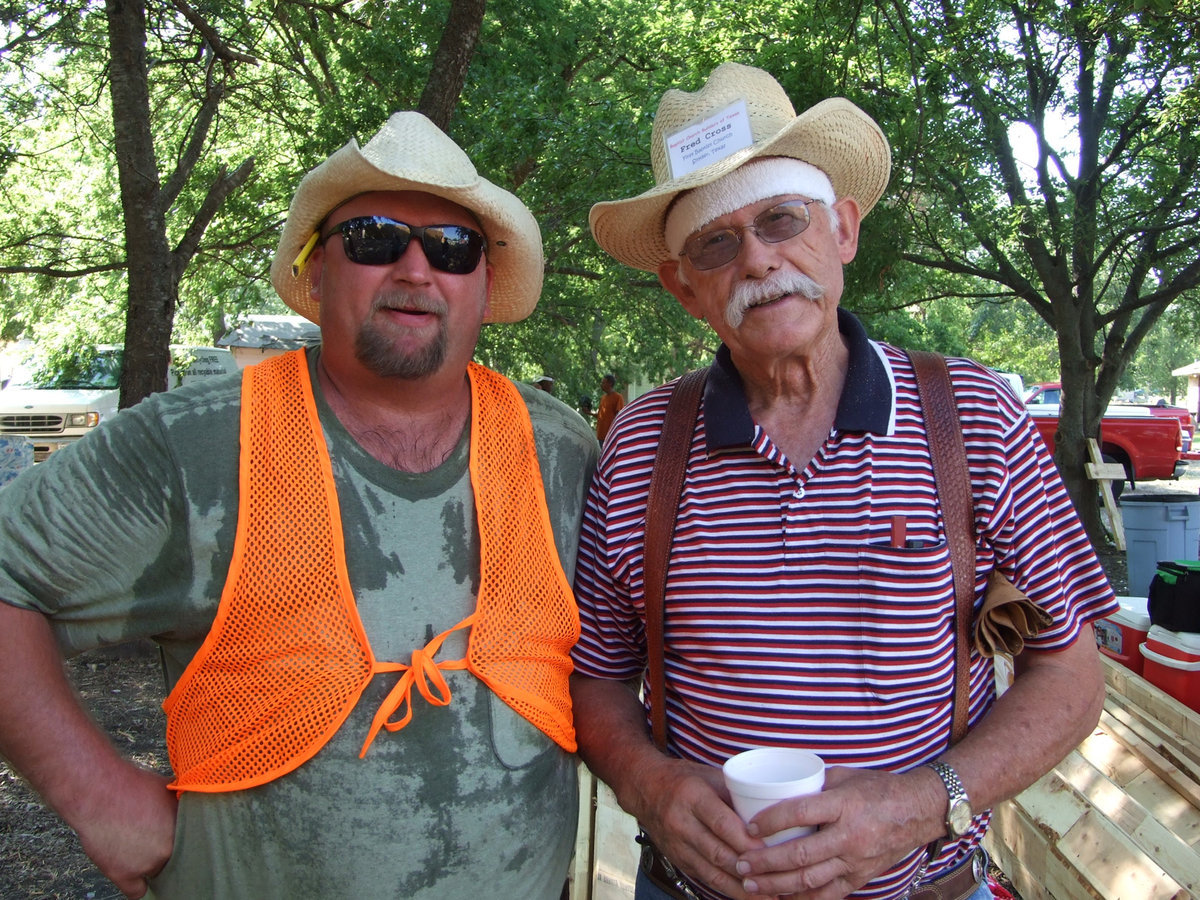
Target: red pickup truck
(1051,392)
(1150,442)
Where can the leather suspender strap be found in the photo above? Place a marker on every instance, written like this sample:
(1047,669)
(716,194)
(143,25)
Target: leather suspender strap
(950,473)
(666,487)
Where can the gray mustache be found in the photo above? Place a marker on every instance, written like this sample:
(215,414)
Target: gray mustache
(414,300)
(751,293)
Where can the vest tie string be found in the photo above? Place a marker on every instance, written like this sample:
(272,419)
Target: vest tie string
(419,673)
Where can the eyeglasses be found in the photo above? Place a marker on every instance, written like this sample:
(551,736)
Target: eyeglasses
(379,241)
(711,249)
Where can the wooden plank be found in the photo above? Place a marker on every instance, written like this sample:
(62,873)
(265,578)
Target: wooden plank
(1101,792)
(1105,471)
(1119,817)
(616,853)
(1157,705)
(1162,739)
(1026,850)
(1052,803)
(1019,850)
(1111,757)
(1176,815)
(1169,851)
(1114,866)
(1155,761)
(609,886)
(1144,721)
(1098,470)
(580,876)
(1092,858)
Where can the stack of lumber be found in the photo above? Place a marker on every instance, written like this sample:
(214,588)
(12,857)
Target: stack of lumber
(1119,818)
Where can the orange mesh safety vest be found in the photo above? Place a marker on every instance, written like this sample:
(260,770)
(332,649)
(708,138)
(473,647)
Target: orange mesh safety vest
(287,657)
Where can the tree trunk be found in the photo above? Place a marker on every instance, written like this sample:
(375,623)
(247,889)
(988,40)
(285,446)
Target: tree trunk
(1078,421)
(152,288)
(448,73)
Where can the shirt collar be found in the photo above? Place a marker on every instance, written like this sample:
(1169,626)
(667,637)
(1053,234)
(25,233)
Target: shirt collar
(867,401)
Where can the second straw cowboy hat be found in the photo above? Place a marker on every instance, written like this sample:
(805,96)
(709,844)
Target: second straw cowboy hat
(410,153)
(741,113)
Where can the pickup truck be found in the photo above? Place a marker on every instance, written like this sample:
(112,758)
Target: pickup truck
(1150,447)
(53,407)
(1051,392)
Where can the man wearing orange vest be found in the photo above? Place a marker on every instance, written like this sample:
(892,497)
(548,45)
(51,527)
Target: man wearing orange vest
(356,560)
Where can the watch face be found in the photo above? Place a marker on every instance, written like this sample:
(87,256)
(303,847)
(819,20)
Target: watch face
(960,817)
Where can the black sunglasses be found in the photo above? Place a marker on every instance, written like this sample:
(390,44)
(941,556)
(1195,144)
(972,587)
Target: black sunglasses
(380,241)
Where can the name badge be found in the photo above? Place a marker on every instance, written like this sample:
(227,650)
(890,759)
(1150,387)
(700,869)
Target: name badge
(704,143)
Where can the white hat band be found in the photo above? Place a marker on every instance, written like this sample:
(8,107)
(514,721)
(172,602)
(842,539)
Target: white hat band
(756,180)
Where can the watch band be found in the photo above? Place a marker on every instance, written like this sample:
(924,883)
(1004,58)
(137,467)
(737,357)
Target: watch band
(958,807)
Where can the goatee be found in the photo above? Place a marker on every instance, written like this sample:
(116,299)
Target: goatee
(377,351)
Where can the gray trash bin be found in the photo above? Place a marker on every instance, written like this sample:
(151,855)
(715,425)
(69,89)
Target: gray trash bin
(1158,527)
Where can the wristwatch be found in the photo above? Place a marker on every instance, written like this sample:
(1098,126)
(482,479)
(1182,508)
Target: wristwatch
(958,811)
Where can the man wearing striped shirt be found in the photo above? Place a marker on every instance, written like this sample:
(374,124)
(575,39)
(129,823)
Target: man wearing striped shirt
(793,615)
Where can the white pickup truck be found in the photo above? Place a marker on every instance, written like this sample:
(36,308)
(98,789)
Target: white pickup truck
(53,407)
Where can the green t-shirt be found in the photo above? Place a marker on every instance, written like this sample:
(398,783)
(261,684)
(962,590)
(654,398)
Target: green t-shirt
(129,534)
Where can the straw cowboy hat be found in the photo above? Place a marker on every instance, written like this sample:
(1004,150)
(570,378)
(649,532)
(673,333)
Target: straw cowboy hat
(835,136)
(410,153)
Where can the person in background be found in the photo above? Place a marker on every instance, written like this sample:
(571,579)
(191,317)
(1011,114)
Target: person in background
(810,598)
(356,560)
(611,403)
(544,383)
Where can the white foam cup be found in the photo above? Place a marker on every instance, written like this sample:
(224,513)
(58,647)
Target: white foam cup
(760,778)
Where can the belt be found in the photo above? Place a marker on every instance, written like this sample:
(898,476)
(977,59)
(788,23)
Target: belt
(661,873)
(957,884)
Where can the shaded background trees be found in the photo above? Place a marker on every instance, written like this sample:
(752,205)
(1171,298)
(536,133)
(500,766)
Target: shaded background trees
(1042,214)
(1045,164)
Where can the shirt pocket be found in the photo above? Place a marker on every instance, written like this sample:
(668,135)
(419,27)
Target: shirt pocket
(905,620)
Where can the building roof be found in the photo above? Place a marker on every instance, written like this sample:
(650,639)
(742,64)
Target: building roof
(273,332)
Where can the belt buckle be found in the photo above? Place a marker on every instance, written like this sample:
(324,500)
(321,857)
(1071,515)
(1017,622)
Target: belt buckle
(682,886)
(935,887)
(651,854)
(978,869)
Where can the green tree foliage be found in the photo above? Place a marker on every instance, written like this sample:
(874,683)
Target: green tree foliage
(170,151)
(562,115)
(1095,227)
(1065,256)
(575,107)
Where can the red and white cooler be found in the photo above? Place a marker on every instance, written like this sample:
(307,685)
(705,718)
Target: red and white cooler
(1171,661)
(1120,635)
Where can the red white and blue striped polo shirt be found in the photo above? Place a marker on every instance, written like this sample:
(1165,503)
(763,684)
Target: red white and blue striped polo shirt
(790,619)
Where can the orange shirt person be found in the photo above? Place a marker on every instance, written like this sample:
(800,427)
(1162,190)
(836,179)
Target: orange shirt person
(610,404)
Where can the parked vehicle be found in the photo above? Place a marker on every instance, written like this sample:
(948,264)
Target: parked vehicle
(56,406)
(1149,447)
(1015,382)
(1051,392)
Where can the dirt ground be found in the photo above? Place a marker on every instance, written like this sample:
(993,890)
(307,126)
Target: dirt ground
(41,858)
